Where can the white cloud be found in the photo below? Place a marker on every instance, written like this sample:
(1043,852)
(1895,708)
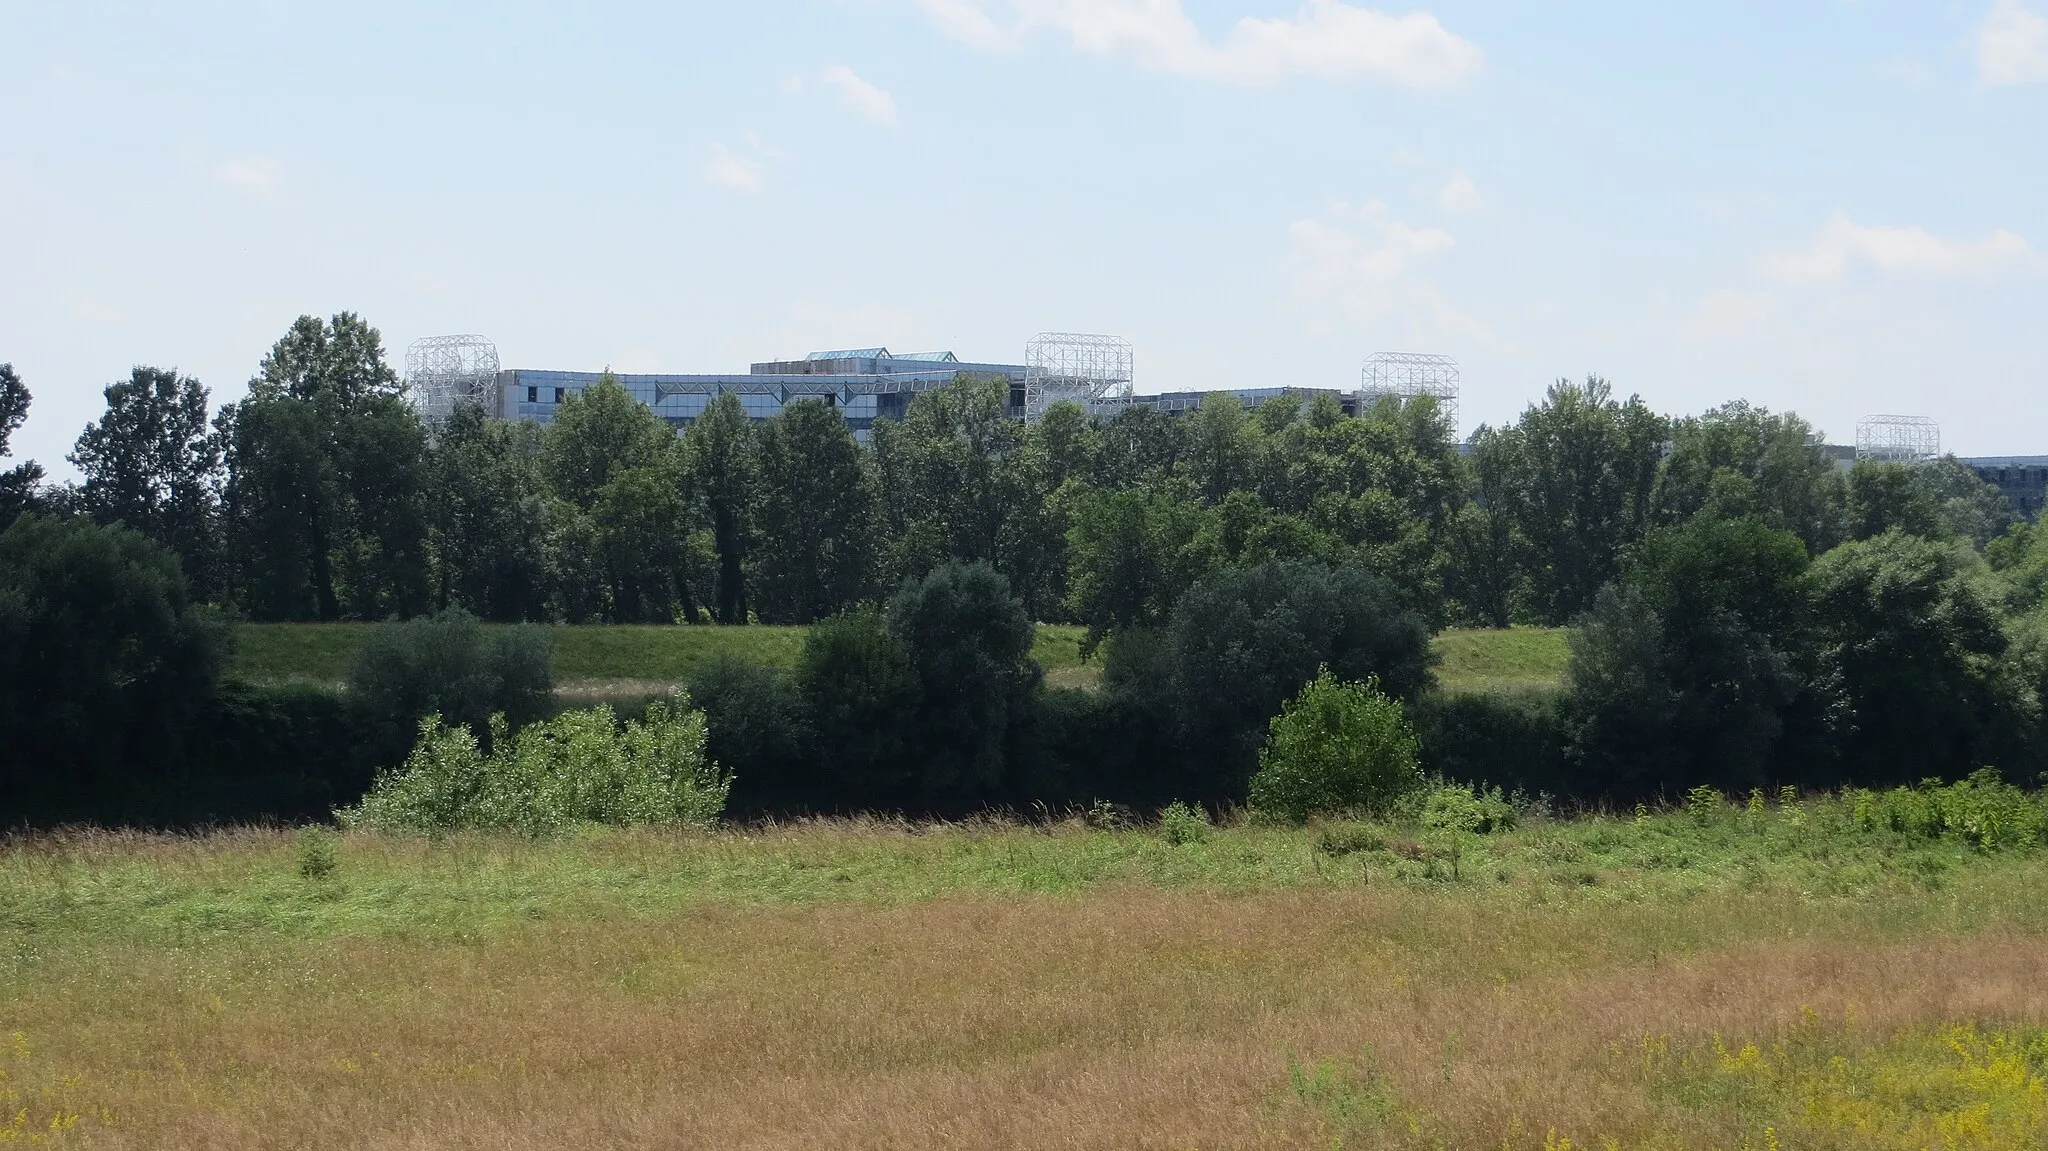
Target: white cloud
(1460,195)
(2012,45)
(1326,39)
(728,169)
(1729,315)
(259,174)
(1901,251)
(1369,267)
(862,98)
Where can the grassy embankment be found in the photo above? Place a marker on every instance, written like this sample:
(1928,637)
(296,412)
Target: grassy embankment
(1785,978)
(623,659)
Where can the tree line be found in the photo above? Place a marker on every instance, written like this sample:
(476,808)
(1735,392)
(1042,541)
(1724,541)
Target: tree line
(1746,610)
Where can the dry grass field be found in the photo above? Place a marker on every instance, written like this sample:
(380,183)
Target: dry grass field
(1774,981)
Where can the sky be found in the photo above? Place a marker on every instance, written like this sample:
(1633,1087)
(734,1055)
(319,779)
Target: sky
(1838,208)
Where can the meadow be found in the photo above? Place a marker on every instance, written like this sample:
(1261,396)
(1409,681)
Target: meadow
(623,658)
(1821,972)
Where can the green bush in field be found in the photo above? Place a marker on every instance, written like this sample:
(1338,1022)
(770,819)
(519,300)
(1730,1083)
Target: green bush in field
(1183,823)
(578,767)
(1983,811)
(1335,747)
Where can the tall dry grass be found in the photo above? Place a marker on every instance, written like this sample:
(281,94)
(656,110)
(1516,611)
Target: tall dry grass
(1122,1017)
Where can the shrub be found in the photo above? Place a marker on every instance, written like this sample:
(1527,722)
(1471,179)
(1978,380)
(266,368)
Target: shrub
(1517,739)
(447,665)
(1183,823)
(106,665)
(758,727)
(319,852)
(1244,640)
(578,767)
(861,693)
(1336,746)
(969,641)
(1451,816)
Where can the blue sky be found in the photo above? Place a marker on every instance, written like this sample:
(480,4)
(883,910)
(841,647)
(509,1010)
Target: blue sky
(1838,208)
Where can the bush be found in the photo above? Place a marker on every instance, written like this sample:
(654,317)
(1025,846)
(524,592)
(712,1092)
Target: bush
(1244,640)
(447,665)
(969,642)
(319,852)
(758,727)
(106,665)
(1517,740)
(1335,747)
(1183,823)
(1451,816)
(862,696)
(578,767)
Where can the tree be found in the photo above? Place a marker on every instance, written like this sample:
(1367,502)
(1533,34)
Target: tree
(105,662)
(969,641)
(816,516)
(326,477)
(18,483)
(1129,558)
(1887,497)
(724,470)
(1244,640)
(1223,445)
(1691,670)
(946,489)
(487,523)
(1486,547)
(1585,465)
(1969,507)
(862,694)
(1773,460)
(627,525)
(153,463)
(1909,646)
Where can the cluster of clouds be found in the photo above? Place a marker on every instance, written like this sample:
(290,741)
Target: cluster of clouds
(1326,39)
(2012,45)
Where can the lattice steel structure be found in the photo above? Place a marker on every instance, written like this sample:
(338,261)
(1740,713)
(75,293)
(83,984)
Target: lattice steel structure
(442,371)
(1898,439)
(1408,375)
(1071,366)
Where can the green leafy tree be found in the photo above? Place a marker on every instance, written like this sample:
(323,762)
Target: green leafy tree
(1969,507)
(446,665)
(1335,747)
(326,475)
(947,489)
(18,483)
(1585,464)
(153,463)
(1129,556)
(1738,460)
(1692,670)
(1910,641)
(863,694)
(106,664)
(1886,497)
(627,524)
(487,519)
(1242,641)
(722,459)
(1223,446)
(969,640)
(816,517)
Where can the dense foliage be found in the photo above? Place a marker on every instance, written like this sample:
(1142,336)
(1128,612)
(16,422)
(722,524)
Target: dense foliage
(579,767)
(1744,611)
(1336,747)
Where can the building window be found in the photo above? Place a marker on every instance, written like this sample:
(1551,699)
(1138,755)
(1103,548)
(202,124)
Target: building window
(559,393)
(532,395)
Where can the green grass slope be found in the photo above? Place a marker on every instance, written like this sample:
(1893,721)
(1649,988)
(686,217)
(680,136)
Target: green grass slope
(320,653)
(1502,659)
